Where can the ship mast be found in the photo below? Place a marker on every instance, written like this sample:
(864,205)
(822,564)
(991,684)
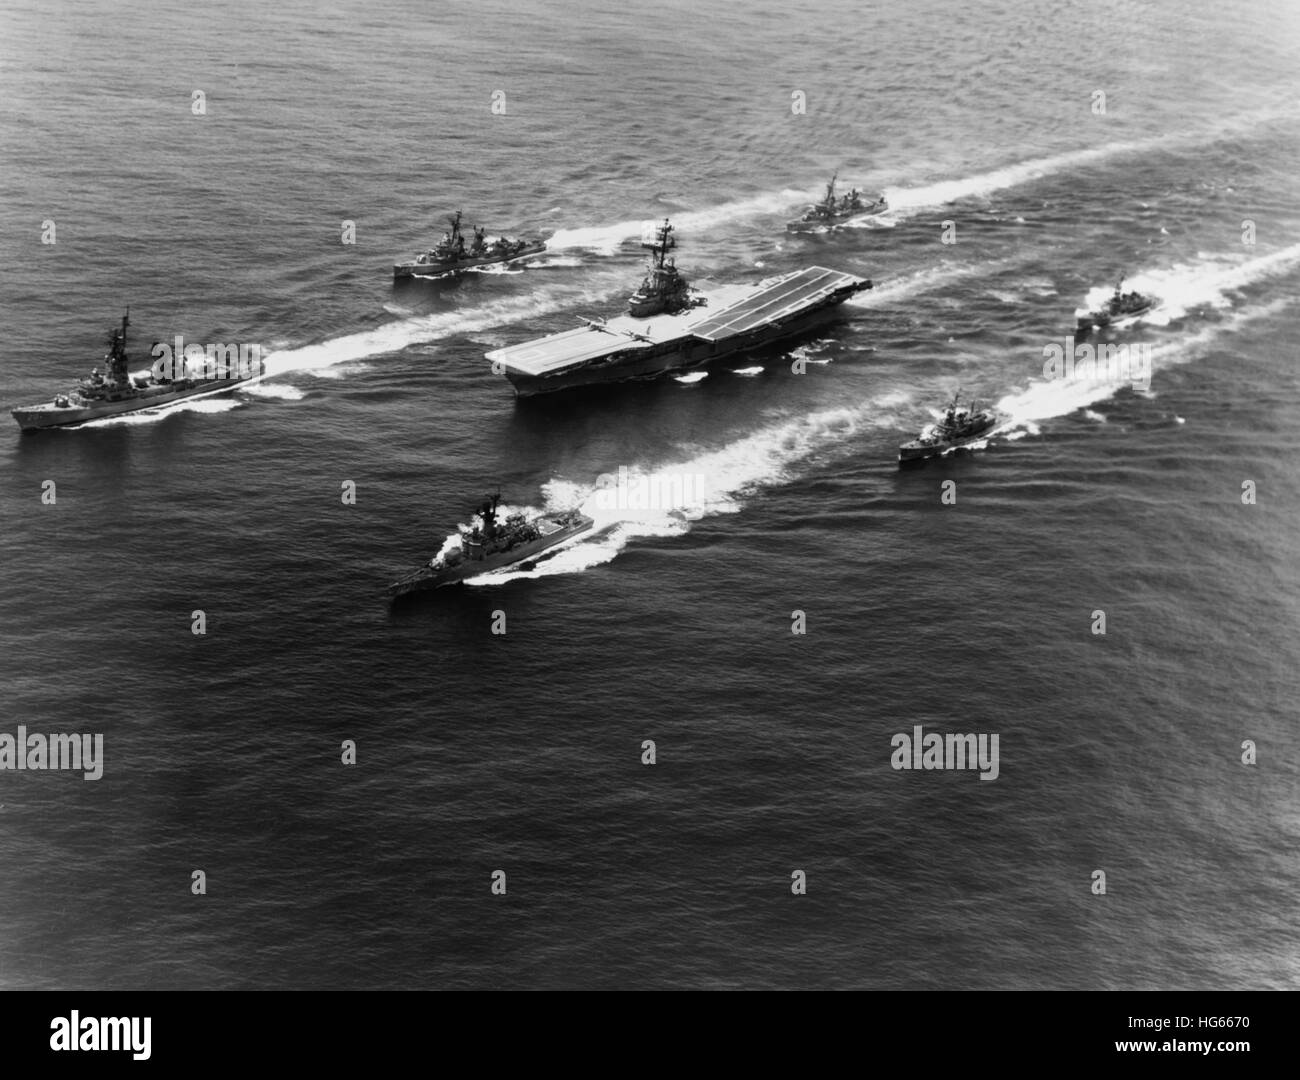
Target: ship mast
(659,247)
(489,513)
(117,361)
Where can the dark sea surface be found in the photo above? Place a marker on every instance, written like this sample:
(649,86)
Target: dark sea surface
(522,752)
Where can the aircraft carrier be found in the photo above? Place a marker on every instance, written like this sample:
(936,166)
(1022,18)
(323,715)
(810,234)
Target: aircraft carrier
(671,327)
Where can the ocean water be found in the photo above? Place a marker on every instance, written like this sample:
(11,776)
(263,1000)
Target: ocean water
(522,752)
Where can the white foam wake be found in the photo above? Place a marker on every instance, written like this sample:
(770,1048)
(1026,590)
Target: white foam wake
(704,483)
(394,336)
(1047,399)
(707,482)
(921,281)
(1210,282)
(903,200)
(273,391)
(608,239)
(206,405)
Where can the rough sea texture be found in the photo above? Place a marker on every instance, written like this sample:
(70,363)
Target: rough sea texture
(522,752)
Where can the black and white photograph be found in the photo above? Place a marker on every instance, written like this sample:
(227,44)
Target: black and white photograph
(504,496)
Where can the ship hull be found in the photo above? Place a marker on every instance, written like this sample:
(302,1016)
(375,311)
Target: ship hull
(416,270)
(426,579)
(37,417)
(917,450)
(680,355)
(1100,320)
(834,219)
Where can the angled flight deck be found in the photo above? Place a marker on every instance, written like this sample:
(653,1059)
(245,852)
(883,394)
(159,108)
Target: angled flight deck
(783,298)
(671,328)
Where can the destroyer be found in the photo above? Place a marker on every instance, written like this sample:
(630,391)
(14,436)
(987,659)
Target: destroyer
(1121,307)
(115,390)
(490,544)
(670,327)
(451,256)
(957,428)
(831,209)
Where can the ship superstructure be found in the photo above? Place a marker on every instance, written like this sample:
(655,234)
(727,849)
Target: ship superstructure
(490,543)
(957,427)
(1120,306)
(114,390)
(834,208)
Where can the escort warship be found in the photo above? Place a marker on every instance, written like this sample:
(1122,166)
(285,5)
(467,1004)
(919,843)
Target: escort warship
(832,209)
(115,390)
(451,256)
(957,427)
(492,544)
(672,327)
(1120,307)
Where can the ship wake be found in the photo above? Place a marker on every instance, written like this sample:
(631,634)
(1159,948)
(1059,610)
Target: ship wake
(203,404)
(1046,399)
(401,334)
(1211,282)
(665,499)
